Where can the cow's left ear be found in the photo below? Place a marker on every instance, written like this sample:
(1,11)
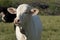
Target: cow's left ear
(34,11)
(11,10)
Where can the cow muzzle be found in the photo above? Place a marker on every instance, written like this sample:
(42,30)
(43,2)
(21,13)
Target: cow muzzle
(17,22)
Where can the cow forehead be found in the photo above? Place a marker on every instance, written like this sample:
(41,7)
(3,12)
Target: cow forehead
(23,8)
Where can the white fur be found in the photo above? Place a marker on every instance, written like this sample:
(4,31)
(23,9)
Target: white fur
(22,9)
(3,15)
(19,35)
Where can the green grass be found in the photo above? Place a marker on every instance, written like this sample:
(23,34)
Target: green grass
(51,29)
(7,31)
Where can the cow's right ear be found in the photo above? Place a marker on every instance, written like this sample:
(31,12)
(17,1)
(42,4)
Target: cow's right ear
(11,10)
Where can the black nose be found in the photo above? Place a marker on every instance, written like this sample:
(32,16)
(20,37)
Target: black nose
(18,20)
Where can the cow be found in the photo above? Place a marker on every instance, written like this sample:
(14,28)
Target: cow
(6,16)
(27,19)
(27,22)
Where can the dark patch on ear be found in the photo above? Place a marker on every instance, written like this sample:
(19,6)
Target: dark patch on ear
(34,10)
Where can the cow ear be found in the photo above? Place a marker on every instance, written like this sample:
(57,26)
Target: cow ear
(34,11)
(11,10)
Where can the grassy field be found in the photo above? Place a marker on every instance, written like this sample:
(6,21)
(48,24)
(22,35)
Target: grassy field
(51,29)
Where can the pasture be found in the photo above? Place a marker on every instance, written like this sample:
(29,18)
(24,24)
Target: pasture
(51,29)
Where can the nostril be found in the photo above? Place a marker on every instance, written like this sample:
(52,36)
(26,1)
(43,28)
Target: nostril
(18,20)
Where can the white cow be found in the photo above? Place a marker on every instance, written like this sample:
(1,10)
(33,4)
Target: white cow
(27,19)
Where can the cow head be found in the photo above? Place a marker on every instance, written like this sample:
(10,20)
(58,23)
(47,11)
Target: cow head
(6,15)
(22,12)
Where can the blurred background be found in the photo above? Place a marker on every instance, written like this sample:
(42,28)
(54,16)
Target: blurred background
(50,18)
(54,5)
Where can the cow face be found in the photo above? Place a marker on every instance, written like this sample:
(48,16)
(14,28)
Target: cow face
(22,12)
